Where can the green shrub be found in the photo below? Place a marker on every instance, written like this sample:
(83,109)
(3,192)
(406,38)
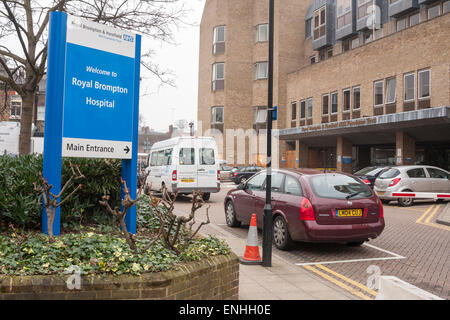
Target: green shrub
(21,205)
(94,253)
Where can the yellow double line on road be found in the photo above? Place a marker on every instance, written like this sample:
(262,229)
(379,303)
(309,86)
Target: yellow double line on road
(324,272)
(426,217)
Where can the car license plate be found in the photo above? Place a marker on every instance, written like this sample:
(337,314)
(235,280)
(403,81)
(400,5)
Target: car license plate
(380,193)
(188,180)
(349,213)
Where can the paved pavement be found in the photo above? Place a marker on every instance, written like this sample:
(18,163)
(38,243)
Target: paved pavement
(413,247)
(282,281)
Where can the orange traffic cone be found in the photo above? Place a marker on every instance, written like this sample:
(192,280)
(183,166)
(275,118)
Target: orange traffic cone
(251,254)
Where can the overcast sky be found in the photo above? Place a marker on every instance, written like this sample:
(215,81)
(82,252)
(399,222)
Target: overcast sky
(162,107)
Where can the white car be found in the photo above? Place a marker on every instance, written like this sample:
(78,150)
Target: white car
(183,165)
(414,178)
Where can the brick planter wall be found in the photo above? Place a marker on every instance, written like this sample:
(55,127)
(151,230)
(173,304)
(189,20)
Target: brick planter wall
(213,278)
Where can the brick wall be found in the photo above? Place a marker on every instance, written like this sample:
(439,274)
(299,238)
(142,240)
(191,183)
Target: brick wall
(215,278)
(423,46)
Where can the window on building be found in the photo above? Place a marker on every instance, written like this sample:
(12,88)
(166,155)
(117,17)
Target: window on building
(346,45)
(16,107)
(219,34)
(40,116)
(322,54)
(293,111)
(308,24)
(219,40)
(346,100)
(368,36)
(312,59)
(355,43)
(356,97)
(319,23)
(343,13)
(262,33)
(260,115)
(310,108)
(363,6)
(378,92)
(325,104)
(409,86)
(334,102)
(446,7)
(424,84)
(329,53)
(302,109)
(218,76)
(216,115)
(434,11)
(261,70)
(391,90)
(414,19)
(401,24)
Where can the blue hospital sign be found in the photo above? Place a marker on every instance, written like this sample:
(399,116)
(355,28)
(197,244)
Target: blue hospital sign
(98,91)
(92,100)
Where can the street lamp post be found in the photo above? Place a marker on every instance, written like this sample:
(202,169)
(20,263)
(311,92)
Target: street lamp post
(267,227)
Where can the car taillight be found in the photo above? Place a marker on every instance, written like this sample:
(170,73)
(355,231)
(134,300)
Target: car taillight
(218,175)
(174,175)
(366,181)
(380,204)
(394,182)
(235,174)
(306,210)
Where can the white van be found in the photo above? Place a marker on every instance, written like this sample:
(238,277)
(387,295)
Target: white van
(184,164)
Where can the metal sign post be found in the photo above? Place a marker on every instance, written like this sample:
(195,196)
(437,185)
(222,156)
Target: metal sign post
(92,100)
(267,227)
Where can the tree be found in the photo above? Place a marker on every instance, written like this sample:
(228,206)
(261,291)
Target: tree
(24,39)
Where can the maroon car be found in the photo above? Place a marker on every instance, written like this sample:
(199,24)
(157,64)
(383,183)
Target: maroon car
(309,205)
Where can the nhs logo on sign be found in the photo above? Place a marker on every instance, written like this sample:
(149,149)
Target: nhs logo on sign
(128,38)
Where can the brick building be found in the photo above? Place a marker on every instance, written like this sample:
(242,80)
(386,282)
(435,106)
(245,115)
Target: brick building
(353,89)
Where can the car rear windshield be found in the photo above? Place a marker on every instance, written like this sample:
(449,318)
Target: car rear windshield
(339,186)
(369,171)
(389,174)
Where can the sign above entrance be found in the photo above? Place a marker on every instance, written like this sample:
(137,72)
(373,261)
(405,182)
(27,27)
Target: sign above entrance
(98,91)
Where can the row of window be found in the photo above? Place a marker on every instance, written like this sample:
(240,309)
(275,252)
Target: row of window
(259,115)
(316,26)
(261,35)
(261,71)
(385,92)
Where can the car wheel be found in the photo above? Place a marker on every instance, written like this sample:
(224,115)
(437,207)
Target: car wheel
(281,236)
(355,243)
(405,202)
(206,196)
(230,215)
(242,180)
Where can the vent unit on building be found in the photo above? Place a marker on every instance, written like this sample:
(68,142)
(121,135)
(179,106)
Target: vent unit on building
(400,7)
(366,18)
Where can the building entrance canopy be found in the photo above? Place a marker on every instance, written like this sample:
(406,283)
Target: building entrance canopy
(424,125)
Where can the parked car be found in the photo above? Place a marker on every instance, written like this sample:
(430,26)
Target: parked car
(184,164)
(225,172)
(244,173)
(370,174)
(309,205)
(418,178)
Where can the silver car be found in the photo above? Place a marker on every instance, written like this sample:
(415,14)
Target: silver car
(416,178)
